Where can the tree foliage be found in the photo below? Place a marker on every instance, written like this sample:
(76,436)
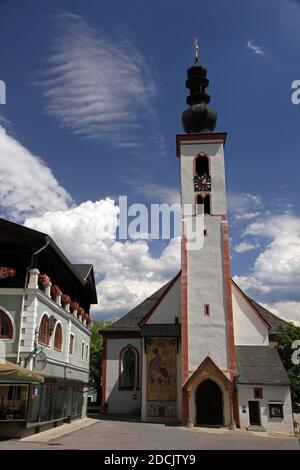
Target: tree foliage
(286,335)
(96,352)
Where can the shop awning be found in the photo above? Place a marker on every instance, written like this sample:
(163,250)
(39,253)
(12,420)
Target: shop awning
(12,373)
(60,381)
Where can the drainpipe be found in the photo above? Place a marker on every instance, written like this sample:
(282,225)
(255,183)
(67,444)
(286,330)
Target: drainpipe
(24,290)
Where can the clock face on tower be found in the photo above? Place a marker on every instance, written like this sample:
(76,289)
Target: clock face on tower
(202,183)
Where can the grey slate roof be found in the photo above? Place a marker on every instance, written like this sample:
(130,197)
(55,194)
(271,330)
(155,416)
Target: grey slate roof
(273,320)
(130,321)
(260,365)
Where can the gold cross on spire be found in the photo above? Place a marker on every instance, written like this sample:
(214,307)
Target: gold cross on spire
(196,49)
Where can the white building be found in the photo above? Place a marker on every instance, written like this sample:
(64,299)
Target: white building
(44,332)
(199,351)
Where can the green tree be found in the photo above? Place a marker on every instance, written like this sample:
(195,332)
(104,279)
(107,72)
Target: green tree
(286,336)
(96,351)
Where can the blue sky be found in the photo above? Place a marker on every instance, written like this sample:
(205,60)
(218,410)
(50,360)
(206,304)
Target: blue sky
(95,92)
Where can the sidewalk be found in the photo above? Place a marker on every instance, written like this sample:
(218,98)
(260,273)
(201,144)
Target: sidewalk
(60,431)
(112,435)
(225,430)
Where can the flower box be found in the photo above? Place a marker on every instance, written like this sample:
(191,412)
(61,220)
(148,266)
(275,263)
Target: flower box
(7,272)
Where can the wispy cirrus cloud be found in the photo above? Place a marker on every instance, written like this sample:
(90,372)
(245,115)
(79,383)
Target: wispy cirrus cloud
(256,49)
(99,87)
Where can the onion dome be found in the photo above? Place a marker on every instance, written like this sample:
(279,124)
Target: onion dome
(199,118)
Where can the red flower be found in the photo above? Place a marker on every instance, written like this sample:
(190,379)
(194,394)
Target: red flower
(44,278)
(66,299)
(74,306)
(7,272)
(55,290)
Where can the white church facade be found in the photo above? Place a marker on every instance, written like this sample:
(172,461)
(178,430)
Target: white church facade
(199,351)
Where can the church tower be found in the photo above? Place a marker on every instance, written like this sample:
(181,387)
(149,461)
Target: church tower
(208,355)
(177,356)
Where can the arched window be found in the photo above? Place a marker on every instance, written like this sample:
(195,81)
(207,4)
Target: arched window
(6,327)
(128,368)
(207,204)
(44,336)
(58,338)
(82,350)
(199,204)
(87,352)
(202,166)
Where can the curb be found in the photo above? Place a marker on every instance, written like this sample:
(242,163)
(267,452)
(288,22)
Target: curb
(61,431)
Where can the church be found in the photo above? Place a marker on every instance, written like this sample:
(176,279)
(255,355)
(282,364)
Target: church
(199,351)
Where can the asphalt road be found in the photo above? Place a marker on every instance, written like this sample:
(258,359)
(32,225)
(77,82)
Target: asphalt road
(116,434)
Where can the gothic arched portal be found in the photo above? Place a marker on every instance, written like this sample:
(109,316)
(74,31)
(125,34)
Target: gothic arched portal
(209,404)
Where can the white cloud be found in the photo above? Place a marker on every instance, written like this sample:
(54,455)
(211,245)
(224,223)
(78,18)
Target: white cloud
(132,282)
(243,247)
(158,193)
(98,87)
(276,271)
(288,310)
(80,230)
(27,185)
(244,206)
(128,271)
(241,201)
(247,215)
(256,49)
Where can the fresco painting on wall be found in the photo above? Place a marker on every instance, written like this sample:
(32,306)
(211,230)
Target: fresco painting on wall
(161,366)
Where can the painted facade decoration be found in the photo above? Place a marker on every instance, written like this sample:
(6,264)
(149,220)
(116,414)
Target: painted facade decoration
(161,377)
